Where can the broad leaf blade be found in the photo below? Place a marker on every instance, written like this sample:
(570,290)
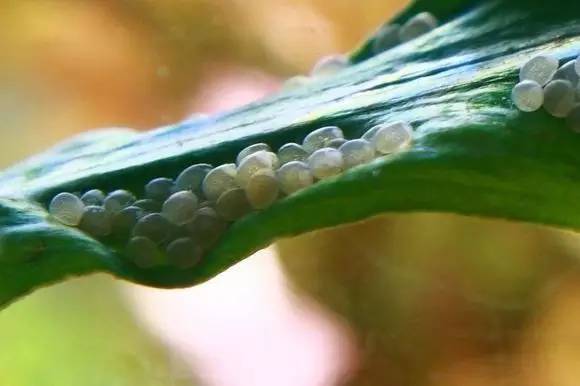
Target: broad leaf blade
(473,153)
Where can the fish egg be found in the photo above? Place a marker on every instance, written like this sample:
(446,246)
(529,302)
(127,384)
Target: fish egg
(206,227)
(148,205)
(326,162)
(390,138)
(93,197)
(96,221)
(559,98)
(153,226)
(262,160)
(320,138)
(262,189)
(117,200)
(184,253)
(124,221)
(159,189)
(528,96)
(294,176)
(330,65)
(540,69)
(192,177)
(418,25)
(337,143)
(219,180)
(370,133)
(292,152)
(387,37)
(180,207)
(233,204)
(357,152)
(568,72)
(67,208)
(251,150)
(144,252)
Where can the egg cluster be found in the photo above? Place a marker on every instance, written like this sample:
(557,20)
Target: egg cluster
(178,220)
(388,36)
(544,83)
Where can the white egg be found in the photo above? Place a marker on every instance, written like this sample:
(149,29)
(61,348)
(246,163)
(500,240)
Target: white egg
(392,137)
(192,177)
(292,152)
(219,180)
(67,208)
(206,227)
(325,163)
(418,25)
(96,221)
(262,160)
(528,96)
(568,72)
(294,176)
(124,221)
(153,226)
(144,252)
(330,65)
(559,98)
(117,200)
(184,253)
(540,69)
(357,152)
(93,197)
(262,189)
(233,204)
(180,207)
(159,189)
(251,150)
(320,138)
(387,37)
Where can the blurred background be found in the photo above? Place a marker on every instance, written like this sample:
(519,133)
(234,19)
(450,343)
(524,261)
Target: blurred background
(420,299)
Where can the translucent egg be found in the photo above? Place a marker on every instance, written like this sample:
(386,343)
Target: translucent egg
(568,72)
(528,96)
(219,180)
(392,137)
(336,143)
(330,65)
(540,69)
(67,208)
(387,37)
(295,82)
(153,226)
(370,133)
(292,152)
(117,200)
(573,118)
(262,160)
(96,221)
(184,253)
(144,252)
(251,150)
(233,204)
(159,189)
(357,152)
(418,25)
(180,207)
(148,205)
(124,221)
(93,197)
(320,138)
(262,189)
(294,176)
(325,163)
(192,177)
(559,96)
(206,227)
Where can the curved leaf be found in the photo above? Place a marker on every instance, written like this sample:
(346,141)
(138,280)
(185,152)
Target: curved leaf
(473,152)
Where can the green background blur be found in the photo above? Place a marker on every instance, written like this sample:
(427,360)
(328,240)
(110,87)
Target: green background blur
(431,299)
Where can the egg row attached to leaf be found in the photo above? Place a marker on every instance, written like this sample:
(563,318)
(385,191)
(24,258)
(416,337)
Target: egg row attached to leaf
(192,211)
(544,83)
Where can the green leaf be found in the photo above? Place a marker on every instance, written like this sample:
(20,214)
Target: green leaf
(473,152)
